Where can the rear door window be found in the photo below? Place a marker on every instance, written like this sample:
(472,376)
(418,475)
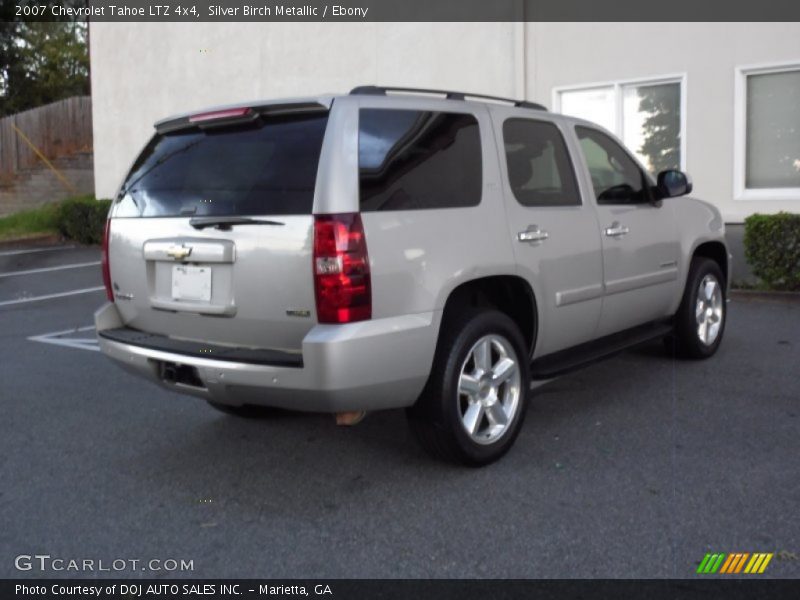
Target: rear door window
(540,172)
(268,167)
(411,160)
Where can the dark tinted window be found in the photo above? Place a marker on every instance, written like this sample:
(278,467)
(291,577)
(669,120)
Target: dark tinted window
(411,160)
(265,168)
(616,178)
(539,170)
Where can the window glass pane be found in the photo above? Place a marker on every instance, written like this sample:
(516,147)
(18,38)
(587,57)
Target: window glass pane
(616,178)
(651,124)
(411,160)
(773,130)
(595,105)
(265,168)
(539,169)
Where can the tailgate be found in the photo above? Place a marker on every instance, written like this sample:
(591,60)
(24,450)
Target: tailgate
(251,286)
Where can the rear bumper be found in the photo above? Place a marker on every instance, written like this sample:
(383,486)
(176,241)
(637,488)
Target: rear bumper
(370,365)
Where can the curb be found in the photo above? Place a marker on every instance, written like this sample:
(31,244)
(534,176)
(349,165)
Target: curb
(765,295)
(35,239)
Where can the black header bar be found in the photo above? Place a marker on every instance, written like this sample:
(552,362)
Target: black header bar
(407,10)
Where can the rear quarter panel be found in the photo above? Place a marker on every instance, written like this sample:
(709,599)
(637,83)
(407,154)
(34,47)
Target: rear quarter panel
(417,257)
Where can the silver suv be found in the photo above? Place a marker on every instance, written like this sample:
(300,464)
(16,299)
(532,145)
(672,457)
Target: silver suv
(399,248)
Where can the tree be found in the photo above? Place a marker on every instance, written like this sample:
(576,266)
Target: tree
(40,62)
(10,62)
(662,126)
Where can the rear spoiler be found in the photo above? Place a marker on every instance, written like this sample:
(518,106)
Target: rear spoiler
(234,115)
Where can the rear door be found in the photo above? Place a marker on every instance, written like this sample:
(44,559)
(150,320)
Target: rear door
(211,231)
(555,234)
(640,245)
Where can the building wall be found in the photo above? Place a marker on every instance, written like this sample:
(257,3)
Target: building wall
(142,72)
(566,54)
(145,71)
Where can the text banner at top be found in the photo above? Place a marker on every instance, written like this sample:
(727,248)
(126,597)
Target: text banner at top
(408,10)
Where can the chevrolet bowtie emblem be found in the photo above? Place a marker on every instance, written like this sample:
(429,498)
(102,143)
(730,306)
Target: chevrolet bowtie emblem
(179,252)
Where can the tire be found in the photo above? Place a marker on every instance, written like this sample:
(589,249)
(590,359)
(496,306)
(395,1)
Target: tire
(700,320)
(246,411)
(444,410)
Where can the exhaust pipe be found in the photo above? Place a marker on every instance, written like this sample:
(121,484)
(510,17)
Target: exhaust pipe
(350,418)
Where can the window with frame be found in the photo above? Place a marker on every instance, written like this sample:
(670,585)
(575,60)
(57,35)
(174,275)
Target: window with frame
(768,133)
(616,178)
(645,115)
(540,172)
(413,160)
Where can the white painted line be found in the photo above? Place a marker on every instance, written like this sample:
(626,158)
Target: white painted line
(65,331)
(48,269)
(74,343)
(32,250)
(49,296)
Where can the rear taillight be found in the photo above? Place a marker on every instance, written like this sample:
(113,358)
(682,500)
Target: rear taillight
(104,262)
(341,269)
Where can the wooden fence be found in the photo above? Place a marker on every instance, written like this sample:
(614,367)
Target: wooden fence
(56,129)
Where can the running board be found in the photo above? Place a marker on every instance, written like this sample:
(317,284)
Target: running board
(563,361)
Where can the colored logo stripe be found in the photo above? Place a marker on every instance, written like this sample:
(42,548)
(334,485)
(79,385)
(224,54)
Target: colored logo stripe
(710,563)
(734,563)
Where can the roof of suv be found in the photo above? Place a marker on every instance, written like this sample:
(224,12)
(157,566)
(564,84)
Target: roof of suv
(325,101)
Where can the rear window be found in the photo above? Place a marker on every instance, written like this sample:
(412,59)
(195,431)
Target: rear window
(268,167)
(410,160)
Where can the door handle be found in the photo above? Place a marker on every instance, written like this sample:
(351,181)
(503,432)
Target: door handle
(532,235)
(616,230)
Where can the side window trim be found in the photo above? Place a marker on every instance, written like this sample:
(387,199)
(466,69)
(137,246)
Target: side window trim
(571,167)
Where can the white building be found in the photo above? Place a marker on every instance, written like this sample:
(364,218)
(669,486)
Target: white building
(720,100)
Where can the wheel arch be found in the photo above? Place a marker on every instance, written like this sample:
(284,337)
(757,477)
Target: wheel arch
(716,251)
(510,294)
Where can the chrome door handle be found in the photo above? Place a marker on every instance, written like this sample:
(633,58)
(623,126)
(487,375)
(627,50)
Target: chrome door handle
(616,230)
(532,234)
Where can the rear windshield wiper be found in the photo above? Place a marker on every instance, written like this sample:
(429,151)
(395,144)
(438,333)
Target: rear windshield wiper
(228,222)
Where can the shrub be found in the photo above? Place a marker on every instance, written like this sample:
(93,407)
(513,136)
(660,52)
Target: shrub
(83,219)
(772,247)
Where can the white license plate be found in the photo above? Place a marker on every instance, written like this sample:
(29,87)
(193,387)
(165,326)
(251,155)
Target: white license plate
(191,283)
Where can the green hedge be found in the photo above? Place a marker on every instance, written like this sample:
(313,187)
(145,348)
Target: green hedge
(772,248)
(83,219)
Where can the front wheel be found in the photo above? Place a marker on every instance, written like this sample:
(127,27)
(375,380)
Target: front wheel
(700,320)
(473,405)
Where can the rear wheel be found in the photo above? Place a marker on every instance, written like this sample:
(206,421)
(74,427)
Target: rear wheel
(474,403)
(700,320)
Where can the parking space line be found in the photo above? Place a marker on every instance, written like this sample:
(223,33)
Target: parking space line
(49,296)
(47,269)
(74,343)
(32,250)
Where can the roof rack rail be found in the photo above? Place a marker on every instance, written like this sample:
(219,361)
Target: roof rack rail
(375,90)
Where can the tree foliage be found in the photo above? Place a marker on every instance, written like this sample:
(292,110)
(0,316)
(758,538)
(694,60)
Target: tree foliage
(40,62)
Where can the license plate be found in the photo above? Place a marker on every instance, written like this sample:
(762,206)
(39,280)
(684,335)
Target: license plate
(191,283)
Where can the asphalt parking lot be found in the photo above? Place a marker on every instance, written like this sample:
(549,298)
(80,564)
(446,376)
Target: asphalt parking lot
(634,467)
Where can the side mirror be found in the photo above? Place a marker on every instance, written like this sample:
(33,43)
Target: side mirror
(673,183)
